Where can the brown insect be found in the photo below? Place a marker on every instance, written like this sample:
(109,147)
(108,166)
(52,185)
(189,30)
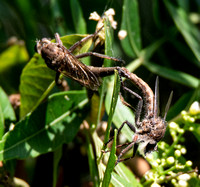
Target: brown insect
(151,129)
(59,58)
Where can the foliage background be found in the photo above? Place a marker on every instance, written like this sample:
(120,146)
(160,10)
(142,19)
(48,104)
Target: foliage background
(164,40)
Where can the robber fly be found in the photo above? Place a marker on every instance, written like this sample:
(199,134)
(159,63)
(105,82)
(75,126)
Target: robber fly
(151,129)
(59,58)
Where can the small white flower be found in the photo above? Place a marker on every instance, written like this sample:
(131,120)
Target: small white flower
(183,113)
(154,164)
(183,150)
(173,125)
(94,16)
(149,157)
(189,163)
(181,131)
(182,183)
(184,177)
(178,166)
(122,34)
(191,128)
(155,185)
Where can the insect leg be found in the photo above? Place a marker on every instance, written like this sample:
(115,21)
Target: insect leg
(73,47)
(58,40)
(125,151)
(118,146)
(135,147)
(139,107)
(129,125)
(57,78)
(100,56)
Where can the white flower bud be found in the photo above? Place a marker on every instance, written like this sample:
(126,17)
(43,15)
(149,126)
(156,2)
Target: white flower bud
(122,34)
(182,183)
(177,153)
(155,185)
(188,163)
(194,108)
(183,150)
(173,125)
(184,177)
(170,160)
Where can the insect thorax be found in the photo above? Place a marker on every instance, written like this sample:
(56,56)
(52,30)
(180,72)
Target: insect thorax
(154,127)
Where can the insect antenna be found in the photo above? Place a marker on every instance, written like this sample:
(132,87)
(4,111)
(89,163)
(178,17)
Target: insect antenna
(168,105)
(156,99)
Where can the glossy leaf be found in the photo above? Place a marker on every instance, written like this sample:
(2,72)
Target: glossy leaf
(53,123)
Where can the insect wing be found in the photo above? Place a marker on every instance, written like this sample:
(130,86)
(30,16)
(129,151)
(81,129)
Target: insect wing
(79,72)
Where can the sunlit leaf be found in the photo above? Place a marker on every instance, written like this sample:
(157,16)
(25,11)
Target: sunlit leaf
(53,123)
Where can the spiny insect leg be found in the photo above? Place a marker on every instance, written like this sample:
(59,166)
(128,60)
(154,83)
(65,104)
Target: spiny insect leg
(73,47)
(100,56)
(119,130)
(124,151)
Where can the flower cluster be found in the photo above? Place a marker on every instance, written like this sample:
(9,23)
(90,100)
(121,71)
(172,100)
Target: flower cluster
(169,164)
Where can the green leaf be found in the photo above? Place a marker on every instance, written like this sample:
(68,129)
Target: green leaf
(131,44)
(177,76)
(6,111)
(122,113)
(6,107)
(1,123)
(189,31)
(107,63)
(127,175)
(120,182)
(49,126)
(11,62)
(56,160)
(116,91)
(108,42)
(37,79)
(77,15)
(92,161)
(111,163)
